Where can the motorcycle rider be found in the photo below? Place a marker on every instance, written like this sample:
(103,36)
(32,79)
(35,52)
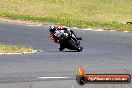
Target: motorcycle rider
(57,31)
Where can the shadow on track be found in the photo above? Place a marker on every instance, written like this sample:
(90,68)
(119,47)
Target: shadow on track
(64,51)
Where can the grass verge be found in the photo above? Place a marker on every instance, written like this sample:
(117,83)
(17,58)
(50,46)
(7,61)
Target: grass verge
(13,49)
(108,25)
(105,14)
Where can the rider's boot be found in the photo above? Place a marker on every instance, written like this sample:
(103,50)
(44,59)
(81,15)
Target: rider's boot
(79,38)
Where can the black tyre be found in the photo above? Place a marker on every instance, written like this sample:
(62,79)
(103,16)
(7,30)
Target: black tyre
(74,46)
(80,49)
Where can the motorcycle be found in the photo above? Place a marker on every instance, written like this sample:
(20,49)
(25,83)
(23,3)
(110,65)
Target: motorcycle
(69,41)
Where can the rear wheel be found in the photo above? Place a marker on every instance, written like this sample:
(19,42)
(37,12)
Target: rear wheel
(74,46)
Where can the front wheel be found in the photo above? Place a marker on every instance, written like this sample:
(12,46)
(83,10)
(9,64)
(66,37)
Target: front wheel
(80,49)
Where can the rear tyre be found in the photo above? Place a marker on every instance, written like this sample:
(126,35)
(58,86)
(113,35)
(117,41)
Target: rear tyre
(74,46)
(61,49)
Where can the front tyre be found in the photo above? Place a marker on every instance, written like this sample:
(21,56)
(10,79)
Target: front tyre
(79,49)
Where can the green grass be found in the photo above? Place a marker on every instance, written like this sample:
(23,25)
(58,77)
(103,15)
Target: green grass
(13,49)
(106,14)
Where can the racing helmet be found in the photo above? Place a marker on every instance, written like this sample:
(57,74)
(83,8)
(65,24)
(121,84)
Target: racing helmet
(52,28)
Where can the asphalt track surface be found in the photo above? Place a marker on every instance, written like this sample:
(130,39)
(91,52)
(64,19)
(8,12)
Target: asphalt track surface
(104,52)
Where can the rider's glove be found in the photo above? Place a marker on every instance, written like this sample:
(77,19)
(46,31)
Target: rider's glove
(58,41)
(66,34)
(58,33)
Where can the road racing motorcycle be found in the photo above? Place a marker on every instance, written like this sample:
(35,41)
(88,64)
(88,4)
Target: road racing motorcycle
(70,41)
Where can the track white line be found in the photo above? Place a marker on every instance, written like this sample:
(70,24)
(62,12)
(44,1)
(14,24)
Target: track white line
(37,25)
(75,28)
(89,29)
(53,77)
(99,30)
(31,52)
